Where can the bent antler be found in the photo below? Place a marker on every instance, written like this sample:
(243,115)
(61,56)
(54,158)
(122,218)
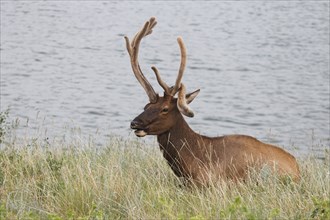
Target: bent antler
(133,51)
(182,66)
(173,90)
(183,102)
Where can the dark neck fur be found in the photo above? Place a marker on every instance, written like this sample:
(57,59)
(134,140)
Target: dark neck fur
(178,146)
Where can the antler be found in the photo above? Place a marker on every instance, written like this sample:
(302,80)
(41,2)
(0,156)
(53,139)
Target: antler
(133,51)
(174,89)
(183,102)
(182,66)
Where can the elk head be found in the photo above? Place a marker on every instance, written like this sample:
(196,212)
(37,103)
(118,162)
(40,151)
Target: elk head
(161,113)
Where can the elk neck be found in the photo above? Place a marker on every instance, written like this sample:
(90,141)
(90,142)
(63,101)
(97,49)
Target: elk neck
(182,147)
(179,134)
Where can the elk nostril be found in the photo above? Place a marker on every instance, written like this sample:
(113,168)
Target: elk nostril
(134,124)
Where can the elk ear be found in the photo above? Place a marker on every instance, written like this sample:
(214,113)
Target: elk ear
(191,96)
(184,99)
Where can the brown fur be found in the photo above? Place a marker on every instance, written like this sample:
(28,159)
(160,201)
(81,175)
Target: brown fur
(199,158)
(195,157)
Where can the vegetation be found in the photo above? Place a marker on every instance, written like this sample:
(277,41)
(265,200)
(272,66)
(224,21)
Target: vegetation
(3,124)
(129,179)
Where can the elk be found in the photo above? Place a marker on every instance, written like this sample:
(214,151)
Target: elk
(196,158)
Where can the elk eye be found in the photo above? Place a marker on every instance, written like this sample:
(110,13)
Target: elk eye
(165,110)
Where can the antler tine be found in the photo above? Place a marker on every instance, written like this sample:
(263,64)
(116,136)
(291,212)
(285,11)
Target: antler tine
(161,82)
(182,66)
(152,24)
(133,51)
(146,30)
(182,102)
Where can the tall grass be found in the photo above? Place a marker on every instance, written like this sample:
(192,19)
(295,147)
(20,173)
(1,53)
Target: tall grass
(131,180)
(127,179)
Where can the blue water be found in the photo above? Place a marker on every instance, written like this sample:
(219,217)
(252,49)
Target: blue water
(262,67)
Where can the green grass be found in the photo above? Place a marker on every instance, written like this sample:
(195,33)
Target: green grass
(130,180)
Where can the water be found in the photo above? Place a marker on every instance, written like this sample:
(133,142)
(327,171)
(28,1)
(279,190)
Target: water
(263,67)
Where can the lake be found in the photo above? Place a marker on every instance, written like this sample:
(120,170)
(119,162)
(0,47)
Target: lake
(262,66)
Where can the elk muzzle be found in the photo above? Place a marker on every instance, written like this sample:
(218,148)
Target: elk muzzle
(138,127)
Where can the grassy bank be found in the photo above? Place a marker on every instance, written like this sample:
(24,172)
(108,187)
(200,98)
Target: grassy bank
(126,179)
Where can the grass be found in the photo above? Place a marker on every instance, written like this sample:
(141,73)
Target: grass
(127,179)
